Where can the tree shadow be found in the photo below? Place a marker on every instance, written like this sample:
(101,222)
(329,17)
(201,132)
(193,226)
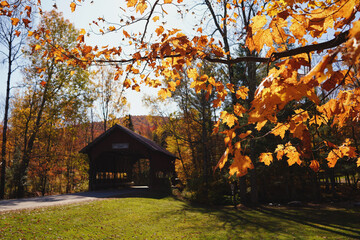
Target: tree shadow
(287,222)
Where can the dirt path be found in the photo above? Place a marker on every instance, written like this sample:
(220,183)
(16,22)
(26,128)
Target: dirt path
(37,202)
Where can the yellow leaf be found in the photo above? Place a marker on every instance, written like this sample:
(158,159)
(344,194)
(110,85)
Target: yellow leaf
(72,73)
(167,1)
(260,125)
(358,162)
(131,3)
(141,7)
(266,158)
(73,6)
(112,28)
(228,118)
(37,47)
(192,73)
(293,155)
(30,33)
(82,32)
(164,93)
(280,129)
(155,18)
(258,22)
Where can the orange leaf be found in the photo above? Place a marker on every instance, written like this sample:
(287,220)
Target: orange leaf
(155,18)
(15,21)
(240,165)
(314,165)
(112,28)
(5,4)
(73,6)
(126,34)
(222,160)
(43,83)
(159,30)
(167,1)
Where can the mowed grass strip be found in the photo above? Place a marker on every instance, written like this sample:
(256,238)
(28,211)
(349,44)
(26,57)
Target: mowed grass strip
(169,218)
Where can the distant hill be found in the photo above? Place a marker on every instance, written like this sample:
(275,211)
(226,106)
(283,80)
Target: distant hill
(143,125)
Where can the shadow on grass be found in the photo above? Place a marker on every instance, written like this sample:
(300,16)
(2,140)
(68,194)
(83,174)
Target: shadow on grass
(290,222)
(338,221)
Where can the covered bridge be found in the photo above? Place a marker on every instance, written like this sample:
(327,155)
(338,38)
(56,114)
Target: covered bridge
(120,156)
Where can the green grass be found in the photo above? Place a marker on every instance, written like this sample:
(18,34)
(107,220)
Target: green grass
(168,218)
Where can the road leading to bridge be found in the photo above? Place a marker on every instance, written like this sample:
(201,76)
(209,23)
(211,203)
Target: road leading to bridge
(46,201)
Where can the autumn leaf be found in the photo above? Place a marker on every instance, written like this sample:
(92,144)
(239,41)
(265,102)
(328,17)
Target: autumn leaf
(240,165)
(15,21)
(266,158)
(112,28)
(43,83)
(126,34)
(159,30)
(141,7)
(73,6)
(167,1)
(228,118)
(314,165)
(156,18)
(222,160)
(260,125)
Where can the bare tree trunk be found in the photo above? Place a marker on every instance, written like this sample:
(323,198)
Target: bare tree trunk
(4,137)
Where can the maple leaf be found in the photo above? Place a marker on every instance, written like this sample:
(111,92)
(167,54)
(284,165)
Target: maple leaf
(280,129)
(260,125)
(159,30)
(43,83)
(222,160)
(73,6)
(315,165)
(156,18)
(15,21)
(240,165)
(266,158)
(332,158)
(131,3)
(228,118)
(293,155)
(141,7)
(112,28)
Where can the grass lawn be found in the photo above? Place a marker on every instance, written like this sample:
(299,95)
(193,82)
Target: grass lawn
(159,217)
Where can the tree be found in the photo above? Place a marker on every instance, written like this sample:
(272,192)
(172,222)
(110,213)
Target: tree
(47,93)
(12,38)
(266,28)
(109,95)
